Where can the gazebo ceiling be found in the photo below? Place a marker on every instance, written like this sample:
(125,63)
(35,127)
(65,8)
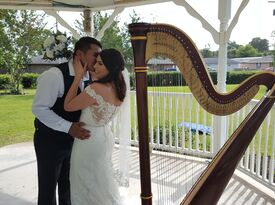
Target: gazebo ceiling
(73,5)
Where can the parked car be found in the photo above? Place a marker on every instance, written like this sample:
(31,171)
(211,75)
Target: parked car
(210,69)
(170,69)
(268,69)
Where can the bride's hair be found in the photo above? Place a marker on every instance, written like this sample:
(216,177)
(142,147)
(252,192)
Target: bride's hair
(114,62)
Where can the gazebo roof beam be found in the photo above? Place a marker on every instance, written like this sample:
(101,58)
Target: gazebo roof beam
(236,18)
(205,24)
(74,5)
(108,23)
(62,22)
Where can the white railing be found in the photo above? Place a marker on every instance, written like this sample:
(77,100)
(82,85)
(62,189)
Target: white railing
(177,123)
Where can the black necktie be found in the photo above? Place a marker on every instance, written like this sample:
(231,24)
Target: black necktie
(88,82)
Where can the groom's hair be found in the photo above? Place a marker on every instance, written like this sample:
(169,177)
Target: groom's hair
(84,44)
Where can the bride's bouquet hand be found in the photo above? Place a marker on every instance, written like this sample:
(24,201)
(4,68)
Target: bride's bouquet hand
(79,68)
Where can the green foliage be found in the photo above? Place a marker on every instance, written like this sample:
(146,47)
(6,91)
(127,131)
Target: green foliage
(207,53)
(126,43)
(247,51)
(21,36)
(165,79)
(4,81)
(16,118)
(260,44)
(170,136)
(236,77)
(162,132)
(17,126)
(29,80)
(116,36)
(176,79)
(232,49)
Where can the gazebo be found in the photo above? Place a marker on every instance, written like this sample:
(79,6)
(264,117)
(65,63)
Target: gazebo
(221,37)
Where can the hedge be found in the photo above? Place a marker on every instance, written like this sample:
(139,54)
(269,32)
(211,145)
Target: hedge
(165,78)
(4,81)
(176,79)
(29,80)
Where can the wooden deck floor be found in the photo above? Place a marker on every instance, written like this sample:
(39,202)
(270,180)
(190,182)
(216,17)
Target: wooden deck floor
(18,182)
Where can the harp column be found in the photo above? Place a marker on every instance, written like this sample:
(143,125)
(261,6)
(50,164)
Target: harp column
(220,124)
(139,40)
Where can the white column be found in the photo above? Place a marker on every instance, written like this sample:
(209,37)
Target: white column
(88,23)
(220,124)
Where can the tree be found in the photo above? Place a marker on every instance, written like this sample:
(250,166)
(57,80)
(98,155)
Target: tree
(247,51)
(207,53)
(232,48)
(21,34)
(115,36)
(260,44)
(126,43)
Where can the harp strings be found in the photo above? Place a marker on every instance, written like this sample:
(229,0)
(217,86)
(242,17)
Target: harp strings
(175,172)
(214,102)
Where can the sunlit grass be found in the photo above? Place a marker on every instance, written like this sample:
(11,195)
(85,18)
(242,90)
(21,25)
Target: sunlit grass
(17,119)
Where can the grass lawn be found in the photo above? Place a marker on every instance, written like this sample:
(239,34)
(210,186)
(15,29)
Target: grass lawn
(17,119)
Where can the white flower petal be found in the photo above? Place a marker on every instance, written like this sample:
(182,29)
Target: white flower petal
(61,38)
(60,46)
(49,53)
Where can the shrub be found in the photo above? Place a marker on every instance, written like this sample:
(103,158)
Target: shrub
(29,80)
(237,77)
(4,81)
(176,79)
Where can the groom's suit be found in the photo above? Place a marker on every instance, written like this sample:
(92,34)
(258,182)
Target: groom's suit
(52,142)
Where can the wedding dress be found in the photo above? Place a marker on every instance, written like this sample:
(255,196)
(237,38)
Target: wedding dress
(92,176)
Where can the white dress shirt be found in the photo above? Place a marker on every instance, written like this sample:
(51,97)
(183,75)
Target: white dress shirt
(50,86)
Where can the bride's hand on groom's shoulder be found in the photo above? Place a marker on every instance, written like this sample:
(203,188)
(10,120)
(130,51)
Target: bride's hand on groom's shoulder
(79,67)
(77,131)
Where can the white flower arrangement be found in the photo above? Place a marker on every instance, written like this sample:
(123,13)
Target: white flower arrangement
(57,46)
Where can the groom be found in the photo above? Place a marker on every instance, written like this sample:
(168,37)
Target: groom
(55,128)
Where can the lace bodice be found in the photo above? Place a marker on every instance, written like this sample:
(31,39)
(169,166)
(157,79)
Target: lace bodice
(98,115)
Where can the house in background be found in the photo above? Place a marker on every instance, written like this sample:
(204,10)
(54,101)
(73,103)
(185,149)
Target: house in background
(249,63)
(212,64)
(39,65)
(256,63)
(157,64)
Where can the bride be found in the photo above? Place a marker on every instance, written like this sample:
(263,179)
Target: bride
(91,175)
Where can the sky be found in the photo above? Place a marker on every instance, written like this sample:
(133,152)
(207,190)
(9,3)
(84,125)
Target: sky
(256,20)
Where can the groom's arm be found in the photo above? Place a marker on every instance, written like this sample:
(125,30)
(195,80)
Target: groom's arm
(50,86)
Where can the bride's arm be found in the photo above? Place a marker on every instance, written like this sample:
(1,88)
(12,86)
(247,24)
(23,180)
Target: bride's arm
(74,102)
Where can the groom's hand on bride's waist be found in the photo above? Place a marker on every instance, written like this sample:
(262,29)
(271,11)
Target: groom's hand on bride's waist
(77,131)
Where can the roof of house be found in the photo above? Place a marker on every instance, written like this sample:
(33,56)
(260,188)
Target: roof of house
(158,61)
(214,61)
(260,59)
(264,59)
(38,60)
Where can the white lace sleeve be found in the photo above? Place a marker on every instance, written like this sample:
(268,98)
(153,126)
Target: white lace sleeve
(91,92)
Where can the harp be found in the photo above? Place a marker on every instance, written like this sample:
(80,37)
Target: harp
(149,40)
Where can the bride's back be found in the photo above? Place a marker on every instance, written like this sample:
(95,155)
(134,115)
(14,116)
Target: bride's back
(105,107)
